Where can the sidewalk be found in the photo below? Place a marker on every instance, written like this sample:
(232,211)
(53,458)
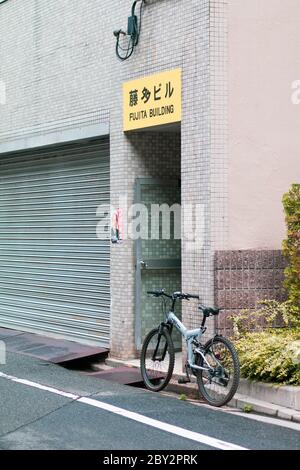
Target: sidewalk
(281,402)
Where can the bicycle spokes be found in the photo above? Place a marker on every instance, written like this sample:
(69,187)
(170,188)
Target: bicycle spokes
(219,362)
(218,381)
(157,360)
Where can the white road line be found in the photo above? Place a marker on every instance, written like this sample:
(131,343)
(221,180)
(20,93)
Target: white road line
(194,436)
(39,386)
(178,431)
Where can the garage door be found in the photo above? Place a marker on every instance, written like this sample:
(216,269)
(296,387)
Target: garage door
(54,272)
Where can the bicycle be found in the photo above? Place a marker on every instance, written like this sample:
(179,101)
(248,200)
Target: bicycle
(214,364)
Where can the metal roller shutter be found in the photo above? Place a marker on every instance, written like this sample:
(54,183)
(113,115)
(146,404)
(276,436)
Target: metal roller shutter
(54,271)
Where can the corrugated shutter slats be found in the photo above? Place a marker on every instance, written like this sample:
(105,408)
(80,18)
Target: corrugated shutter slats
(54,272)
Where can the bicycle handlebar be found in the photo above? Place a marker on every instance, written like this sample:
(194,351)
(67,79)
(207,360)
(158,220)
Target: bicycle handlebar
(175,295)
(158,293)
(192,296)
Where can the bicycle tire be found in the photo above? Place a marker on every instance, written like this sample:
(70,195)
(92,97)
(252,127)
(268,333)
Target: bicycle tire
(158,382)
(202,382)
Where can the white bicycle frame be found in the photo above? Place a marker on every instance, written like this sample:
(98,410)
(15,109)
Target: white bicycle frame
(189,336)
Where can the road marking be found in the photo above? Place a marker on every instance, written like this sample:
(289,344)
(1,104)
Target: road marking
(194,436)
(178,431)
(39,386)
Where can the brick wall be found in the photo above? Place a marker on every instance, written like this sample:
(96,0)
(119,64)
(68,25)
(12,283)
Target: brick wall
(242,278)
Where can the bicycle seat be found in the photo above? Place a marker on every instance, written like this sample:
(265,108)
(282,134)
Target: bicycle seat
(209,311)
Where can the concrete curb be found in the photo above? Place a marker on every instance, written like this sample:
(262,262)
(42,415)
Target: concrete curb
(267,399)
(286,396)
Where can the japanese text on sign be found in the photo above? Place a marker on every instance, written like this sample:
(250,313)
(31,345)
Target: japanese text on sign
(152,101)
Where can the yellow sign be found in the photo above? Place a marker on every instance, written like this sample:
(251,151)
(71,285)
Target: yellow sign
(152,101)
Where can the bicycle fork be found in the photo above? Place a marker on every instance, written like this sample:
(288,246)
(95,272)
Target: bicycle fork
(161,328)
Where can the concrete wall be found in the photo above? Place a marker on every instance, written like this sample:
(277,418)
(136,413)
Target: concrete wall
(59,65)
(264,139)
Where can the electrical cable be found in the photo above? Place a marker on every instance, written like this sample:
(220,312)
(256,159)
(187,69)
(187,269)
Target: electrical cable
(134,37)
(129,50)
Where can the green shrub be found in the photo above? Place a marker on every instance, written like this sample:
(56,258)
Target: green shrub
(291,246)
(269,314)
(268,353)
(182,397)
(271,355)
(247,408)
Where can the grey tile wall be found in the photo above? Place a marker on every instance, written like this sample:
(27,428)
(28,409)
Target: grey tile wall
(61,72)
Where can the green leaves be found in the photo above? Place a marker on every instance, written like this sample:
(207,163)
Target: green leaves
(291,246)
(266,352)
(269,314)
(271,356)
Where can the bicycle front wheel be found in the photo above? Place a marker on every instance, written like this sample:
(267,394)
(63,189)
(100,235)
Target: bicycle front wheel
(219,381)
(157,359)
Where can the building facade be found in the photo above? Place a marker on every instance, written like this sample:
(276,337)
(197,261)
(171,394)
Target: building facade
(64,153)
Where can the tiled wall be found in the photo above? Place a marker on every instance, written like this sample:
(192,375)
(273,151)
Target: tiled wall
(62,73)
(155,155)
(242,278)
(204,151)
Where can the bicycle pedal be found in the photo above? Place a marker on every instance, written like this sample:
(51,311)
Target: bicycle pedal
(184,380)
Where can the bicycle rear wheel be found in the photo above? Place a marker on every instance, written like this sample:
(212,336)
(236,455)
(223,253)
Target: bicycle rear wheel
(218,384)
(157,359)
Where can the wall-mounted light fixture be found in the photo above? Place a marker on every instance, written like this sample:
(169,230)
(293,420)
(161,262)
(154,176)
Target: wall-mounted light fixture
(125,48)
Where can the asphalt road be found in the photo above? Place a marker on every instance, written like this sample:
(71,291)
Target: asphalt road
(32,417)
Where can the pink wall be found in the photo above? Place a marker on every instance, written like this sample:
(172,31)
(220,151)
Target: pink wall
(264,125)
